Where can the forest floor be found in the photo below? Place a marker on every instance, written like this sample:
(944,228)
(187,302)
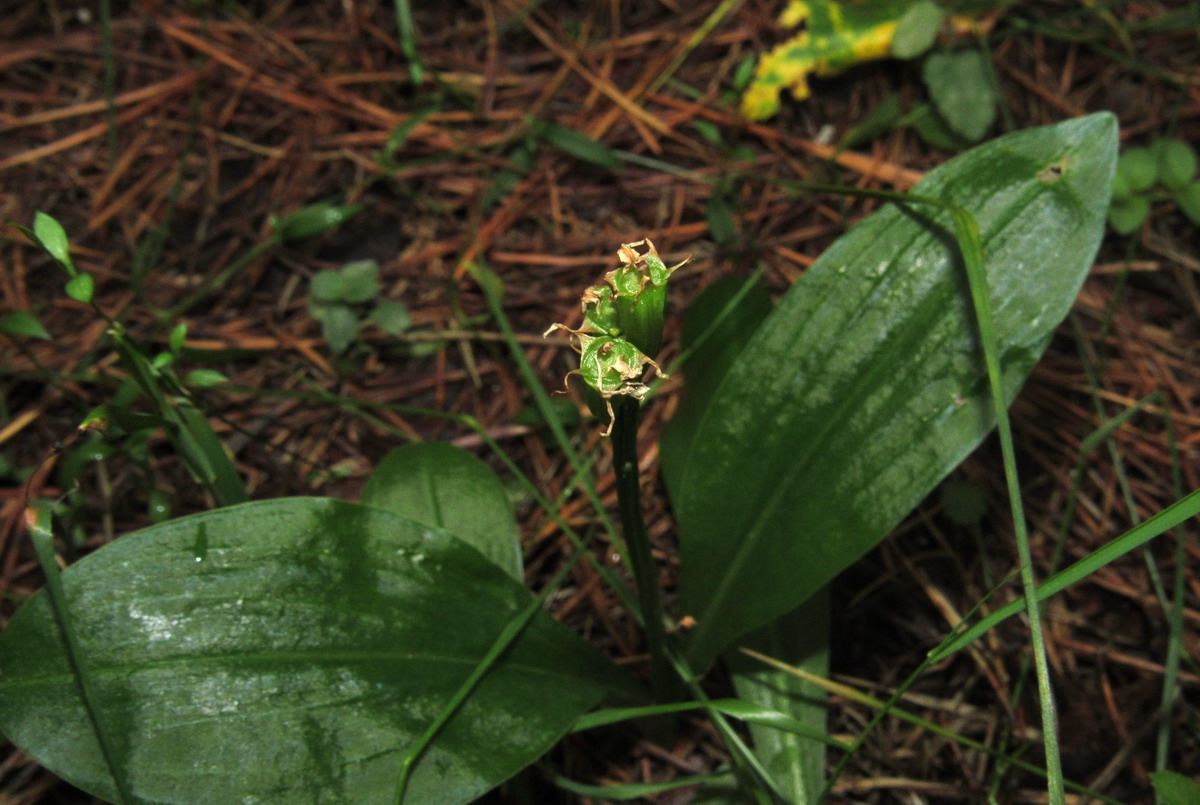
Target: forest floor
(227,119)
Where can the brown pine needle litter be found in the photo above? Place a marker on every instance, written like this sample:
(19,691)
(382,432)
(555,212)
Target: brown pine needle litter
(227,119)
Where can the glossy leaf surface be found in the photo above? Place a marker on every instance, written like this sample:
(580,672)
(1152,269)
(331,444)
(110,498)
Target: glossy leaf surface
(289,651)
(719,324)
(438,484)
(866,385)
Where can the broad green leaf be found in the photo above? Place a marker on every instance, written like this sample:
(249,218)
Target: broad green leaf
(866,385)
(80,288)
(290,651)
(53,237)
(962,91)
(801,639)
(718,324)
(438,484)
(916,29)
(22,322)
(1174,788)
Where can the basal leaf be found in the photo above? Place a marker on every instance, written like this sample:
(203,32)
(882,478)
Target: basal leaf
(440,485)
(962,91)
(718,324)
(290,651)
(799,638)
(917,29)
(866,385)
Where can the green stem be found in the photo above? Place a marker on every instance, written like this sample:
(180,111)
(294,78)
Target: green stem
(637,541)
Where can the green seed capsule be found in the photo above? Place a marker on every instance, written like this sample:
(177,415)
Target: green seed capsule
(622,324)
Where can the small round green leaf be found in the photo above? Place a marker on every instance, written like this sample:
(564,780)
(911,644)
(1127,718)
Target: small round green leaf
(292,651)
(440,485)
(961,89)
(916,30)
(392,317)
(1176,163)
(80,288)
(53,238)
(1121,191)
(327,286)
(340,326)
(1188,199)
(1139,169)
(360,281)
(22,322)
(1125,217)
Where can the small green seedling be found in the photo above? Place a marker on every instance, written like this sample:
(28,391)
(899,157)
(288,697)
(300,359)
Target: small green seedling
(1166,171)
(337,299)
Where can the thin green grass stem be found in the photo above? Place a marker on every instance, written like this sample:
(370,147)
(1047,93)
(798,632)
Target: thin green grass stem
(408,40)
(1175,647)
(630,791)
(43,545)
(888,707)
(1172,605)
(1170,517)
(637,542)
(511,631)
(542,400)
(967,232)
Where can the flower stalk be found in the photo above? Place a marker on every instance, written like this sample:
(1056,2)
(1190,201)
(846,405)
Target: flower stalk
(621,333)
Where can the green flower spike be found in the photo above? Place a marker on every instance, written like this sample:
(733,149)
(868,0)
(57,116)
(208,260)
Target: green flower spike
(622,326)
